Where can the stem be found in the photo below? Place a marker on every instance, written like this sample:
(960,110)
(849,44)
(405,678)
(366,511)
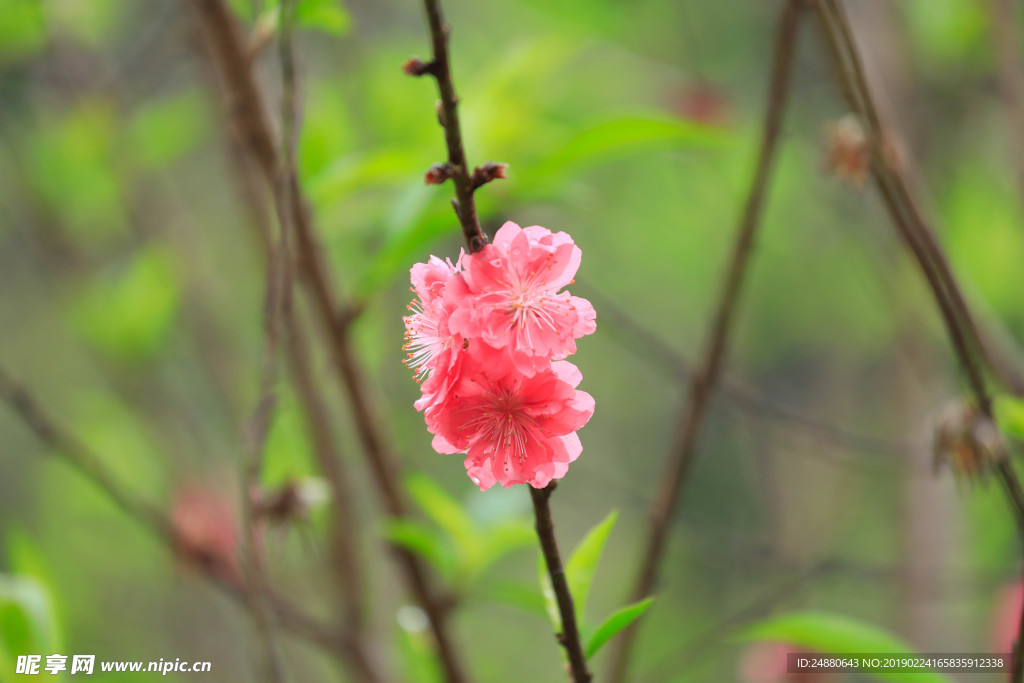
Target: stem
(251,125)
(925,247)
(151,518)
(465,204)
(570,635)
(707,372)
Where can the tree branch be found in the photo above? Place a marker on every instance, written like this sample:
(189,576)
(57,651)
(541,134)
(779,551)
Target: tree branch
(570,635)
(251,124)
(448,114)
(683,449)
(73,451)
(925,248)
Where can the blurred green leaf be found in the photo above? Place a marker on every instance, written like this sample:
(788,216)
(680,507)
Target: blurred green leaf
(610,138)
(287,455)
(422,540)
(833,633)
(419,663)
(617,621)
(450,516)
(22,28)
(72,166)
(1009,413)
(513,594)
(245,9)
(163,130)
(323,15)
(26,619)
(319,15)
(579,570)
(547,593)
(129,314)
(503,538)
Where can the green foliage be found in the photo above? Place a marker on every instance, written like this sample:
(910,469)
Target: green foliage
(579,572)
(22,29)
(836,634)
(607,139)
(73,167)
(327,16)
(458,545)
(615,622)
(1009,414)
(130,313)
(26,620)
(162,131)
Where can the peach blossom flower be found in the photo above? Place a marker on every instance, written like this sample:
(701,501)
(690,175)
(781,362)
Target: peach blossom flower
(513,302)
(516,428)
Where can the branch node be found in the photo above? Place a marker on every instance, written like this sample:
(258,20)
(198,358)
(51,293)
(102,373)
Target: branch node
(490,171)
(417,67)
(440,172)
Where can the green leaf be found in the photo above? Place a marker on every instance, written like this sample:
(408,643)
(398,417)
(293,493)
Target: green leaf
(579,570)
(27,623)
(320,15)
(449,514)
(1009,413)
(547,592)
(323,15)
(22,29)
(511,593)
(164,130)
(130,314)
(503,538)
(836,634)
(617,621)
(611,138)
(422,540)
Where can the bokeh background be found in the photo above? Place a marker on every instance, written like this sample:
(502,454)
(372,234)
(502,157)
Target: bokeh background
(131,291)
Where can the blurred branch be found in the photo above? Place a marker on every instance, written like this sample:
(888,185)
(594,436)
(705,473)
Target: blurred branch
(925,248)
(213,568)
(681,453)
(277,300)
(1005,24)
(570,635)
(457,167)
(251,124)
(638,338)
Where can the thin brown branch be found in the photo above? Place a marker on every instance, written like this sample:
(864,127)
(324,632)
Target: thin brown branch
(276,301)
(921,240)
(214,569)
(683,449)
(448,113)
(570,635)
(1004,19)
(251,124)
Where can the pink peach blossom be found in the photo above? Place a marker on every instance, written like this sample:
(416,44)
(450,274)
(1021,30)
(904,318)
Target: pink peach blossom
(512,298)
(516,428)
(433,352)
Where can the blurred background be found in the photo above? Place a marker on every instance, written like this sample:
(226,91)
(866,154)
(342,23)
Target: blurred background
(131,295)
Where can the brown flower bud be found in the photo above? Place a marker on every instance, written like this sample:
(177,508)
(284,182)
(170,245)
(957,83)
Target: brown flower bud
(438,173)
(488,172)
(968,442)
(417,67)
